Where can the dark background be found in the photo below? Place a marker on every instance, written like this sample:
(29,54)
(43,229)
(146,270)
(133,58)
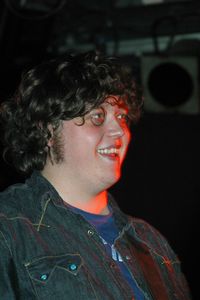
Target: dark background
(160,181)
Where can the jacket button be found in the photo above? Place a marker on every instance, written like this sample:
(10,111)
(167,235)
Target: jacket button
(43,277)
(127,257)
(72,267)
(112,265)
(90,232)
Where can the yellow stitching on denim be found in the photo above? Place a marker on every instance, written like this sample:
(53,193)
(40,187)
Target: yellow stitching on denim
(167,261)
(43,213)
(27,220)
(54,256)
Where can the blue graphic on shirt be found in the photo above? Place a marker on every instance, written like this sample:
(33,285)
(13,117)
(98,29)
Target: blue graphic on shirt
(115,255)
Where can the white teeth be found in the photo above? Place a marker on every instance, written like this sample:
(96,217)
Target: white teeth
(108,151)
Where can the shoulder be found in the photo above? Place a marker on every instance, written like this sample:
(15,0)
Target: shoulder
(145,230)
(142,227)
(151,236)
(16,200)
(23,197)
(13,205)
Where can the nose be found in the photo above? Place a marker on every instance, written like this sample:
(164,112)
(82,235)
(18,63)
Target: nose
(115,130)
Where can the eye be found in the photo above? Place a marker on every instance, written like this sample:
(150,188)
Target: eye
(97,117)
(123,118)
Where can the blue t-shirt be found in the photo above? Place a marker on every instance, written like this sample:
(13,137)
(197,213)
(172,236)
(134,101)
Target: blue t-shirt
(108,232)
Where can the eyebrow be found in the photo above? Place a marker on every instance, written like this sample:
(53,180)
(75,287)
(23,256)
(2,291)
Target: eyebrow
(118,102)
(123,107)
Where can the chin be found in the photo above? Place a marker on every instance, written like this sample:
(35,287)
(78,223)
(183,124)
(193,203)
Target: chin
(113,181)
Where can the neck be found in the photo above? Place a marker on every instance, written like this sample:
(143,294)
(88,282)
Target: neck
(79,196)
(95,205)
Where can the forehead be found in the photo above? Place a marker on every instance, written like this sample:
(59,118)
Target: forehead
(115,101)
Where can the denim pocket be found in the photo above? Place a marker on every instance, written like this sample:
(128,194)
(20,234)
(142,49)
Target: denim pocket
(41,269)
(59,277)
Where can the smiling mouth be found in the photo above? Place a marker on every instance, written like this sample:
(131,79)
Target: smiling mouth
(110,152)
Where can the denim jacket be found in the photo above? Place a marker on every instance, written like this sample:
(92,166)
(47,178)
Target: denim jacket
(49,252)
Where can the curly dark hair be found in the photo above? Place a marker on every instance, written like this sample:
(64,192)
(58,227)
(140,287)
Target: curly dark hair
(61,89)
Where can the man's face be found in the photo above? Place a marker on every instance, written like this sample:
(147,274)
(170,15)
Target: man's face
(93,151)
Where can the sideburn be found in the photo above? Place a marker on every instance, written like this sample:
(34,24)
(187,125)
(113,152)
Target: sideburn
(56,154)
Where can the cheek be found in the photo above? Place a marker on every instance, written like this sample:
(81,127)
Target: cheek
(84,141)
(126,141)
(127,136)
(91,135)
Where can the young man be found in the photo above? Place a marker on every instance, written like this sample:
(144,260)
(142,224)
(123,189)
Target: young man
(62,236)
